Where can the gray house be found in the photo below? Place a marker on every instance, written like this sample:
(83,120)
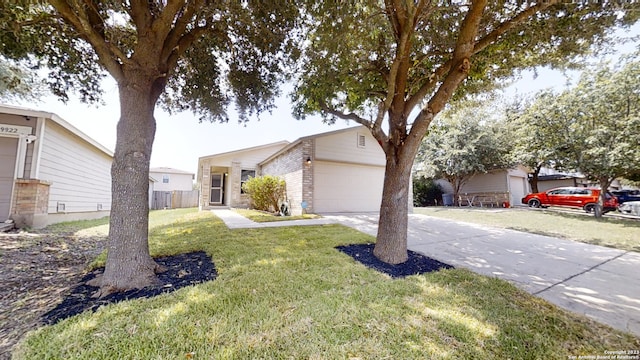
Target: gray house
(49,170)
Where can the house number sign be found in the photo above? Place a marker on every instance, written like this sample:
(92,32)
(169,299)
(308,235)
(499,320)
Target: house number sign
(14,130)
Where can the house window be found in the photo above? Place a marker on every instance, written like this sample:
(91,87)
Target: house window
(361,141)
(244,176)
(165,179)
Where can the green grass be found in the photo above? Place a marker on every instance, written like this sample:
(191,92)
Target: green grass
(286,293)
(261,216)
(623,234)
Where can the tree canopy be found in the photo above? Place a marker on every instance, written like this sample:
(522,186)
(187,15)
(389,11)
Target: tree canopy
(464,141)
(192,55)
(394,65)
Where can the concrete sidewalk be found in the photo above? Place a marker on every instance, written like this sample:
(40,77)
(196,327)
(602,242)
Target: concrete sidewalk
(599,282)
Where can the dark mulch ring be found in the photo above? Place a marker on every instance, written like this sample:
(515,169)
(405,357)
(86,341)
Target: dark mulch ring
(182,270)
(415,265)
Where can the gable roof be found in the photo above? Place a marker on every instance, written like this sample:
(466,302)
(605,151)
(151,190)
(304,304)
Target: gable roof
(239,151)
(16,110)
(314,136)
(168,170)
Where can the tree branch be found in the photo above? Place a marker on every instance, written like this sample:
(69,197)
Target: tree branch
(458,71)
(184,44)
(480,45)
(141,16)
(107,52)
(510,24)
(176,32)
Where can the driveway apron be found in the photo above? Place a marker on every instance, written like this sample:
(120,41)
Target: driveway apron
(599,282)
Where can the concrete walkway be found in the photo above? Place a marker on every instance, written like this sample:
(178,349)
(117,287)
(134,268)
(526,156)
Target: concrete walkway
(599,282)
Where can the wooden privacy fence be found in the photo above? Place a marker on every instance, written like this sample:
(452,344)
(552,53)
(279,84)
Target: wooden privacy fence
(174,199)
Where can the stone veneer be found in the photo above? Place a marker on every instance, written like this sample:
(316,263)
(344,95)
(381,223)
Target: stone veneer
(293,168)
(30,203)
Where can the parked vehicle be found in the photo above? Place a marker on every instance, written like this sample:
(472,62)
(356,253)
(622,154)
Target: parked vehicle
(630,208)
(626,195)
(580,197)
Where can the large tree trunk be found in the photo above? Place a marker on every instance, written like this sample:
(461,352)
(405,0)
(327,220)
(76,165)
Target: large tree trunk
(129,264)
(391,241)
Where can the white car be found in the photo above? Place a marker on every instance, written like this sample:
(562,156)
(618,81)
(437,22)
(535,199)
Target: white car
(630,207)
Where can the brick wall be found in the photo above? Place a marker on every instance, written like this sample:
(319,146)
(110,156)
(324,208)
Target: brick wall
(298,175)
(30,203)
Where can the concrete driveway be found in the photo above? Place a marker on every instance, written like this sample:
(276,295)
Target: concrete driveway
(599,282)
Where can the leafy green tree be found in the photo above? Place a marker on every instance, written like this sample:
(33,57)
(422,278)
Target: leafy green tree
(464,142)
(540,133)
(605,135)
(266,192)
(394,65)
(184,54)
(19,82)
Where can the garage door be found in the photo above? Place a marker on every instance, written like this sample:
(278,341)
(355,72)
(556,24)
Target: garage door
(8,150)
(518,187)
(347,187)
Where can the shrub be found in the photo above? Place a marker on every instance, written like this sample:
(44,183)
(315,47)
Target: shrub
(426,192)
(265,192)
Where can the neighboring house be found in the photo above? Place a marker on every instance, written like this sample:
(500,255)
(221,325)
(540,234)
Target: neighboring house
(509,185)
(337,171)
(546,182)
(49,170)
(168,179)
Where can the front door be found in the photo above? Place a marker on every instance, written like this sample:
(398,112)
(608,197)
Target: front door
(217,189)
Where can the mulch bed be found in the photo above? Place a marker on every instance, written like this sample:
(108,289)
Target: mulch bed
(182,270)
(415,265)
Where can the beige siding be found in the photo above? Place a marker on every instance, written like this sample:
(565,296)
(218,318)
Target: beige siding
(344,147)
(490,182)
(79,173)
(179,182)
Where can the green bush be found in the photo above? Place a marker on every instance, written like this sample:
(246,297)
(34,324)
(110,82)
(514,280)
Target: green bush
(265,192)
(426,192)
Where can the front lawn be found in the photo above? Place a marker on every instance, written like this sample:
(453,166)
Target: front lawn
(262,216)
(623,234)
(287,293)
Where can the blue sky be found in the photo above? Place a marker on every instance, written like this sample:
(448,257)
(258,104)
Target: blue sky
(181,139)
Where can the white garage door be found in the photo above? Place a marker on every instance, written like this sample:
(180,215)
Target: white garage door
(346,187)
(8,150)
(518,187)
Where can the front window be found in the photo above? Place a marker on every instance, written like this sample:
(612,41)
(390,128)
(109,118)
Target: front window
(244,176)
(165,179)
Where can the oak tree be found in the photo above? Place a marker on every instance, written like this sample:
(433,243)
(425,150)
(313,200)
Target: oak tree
(393,65)
(196,55)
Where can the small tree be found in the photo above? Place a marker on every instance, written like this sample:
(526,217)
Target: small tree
(266,192)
